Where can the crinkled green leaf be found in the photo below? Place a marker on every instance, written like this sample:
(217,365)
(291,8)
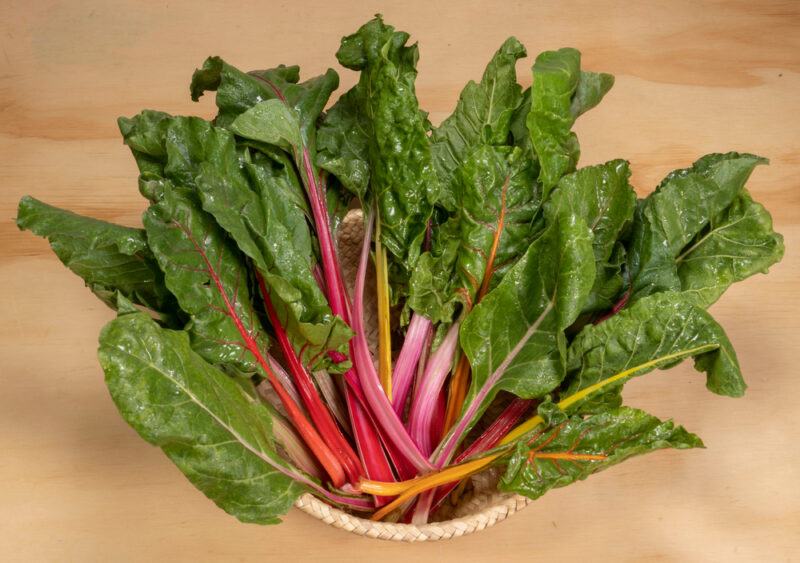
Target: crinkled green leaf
(555,80)
(431,291)
(494,182)
(144,134)
(657,332)
(603,198)
(220,438)
(736,244)
(256,202)
(515,336)
(482,116)
(592,88)
(238,91)
(247,200)
(609,283)
(205,271)
(615,435)
(590,91)
(270,122)
(343,143)
(109,258)
(402,177)
(682,206)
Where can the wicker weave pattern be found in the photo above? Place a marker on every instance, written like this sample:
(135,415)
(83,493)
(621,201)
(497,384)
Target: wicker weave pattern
(480,509)
(489,510)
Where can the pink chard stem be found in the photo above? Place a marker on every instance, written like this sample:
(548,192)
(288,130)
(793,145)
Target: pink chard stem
(430,500)
(406,365)
(427,394)
(379,404)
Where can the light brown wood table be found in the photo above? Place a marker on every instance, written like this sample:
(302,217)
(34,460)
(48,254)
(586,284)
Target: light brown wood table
(76,484)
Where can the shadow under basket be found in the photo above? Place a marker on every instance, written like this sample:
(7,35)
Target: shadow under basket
(478,507)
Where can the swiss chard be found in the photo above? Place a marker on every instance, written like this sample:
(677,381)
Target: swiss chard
(514,338)
(205,272)
(213,431)
(579,447)
(523,279)
(602,197)
(683,205)
(482,116)
(110,258)
(403,182)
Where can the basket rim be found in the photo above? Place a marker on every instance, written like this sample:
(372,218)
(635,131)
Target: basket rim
(500,508)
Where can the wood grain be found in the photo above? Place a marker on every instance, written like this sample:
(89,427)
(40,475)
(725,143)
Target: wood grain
(77,484)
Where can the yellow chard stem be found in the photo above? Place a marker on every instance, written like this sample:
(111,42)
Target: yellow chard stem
(384,336)
(409,489)
(535,421)
(421,484)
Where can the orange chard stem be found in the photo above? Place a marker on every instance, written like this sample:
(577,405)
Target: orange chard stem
(460,379)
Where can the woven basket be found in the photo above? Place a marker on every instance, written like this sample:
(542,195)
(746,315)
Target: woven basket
(478,507)
(480,512)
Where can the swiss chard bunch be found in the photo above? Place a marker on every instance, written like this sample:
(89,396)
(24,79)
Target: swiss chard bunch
(516,293)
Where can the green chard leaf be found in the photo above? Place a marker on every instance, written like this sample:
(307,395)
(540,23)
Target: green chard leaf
(270,122)
(109,258)
(580,447)
(555,80)
(482,116)
(206,273)
(269,229)
(736,244)
(514,338)
(289,118)
(499,199)
(683,205)
(402,176)
(431,291)
(171,148)
(658,331)
(343,143)
(592,88)
(590,91)
(144,134)
(238,91)
(217,435)
(489,188)
(603,198)
(257,201)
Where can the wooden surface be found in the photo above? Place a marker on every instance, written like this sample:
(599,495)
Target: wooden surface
(76,484)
